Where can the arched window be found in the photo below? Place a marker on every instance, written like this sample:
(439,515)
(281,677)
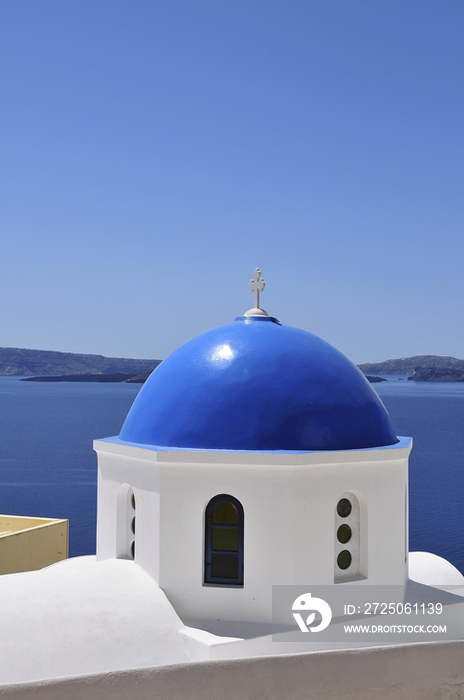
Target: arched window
(224,541)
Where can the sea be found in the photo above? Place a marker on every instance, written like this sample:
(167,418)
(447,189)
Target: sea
(49,469)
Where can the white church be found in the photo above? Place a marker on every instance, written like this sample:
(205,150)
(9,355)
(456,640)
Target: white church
(256,455)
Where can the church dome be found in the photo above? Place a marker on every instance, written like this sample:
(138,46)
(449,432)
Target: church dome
(255,384)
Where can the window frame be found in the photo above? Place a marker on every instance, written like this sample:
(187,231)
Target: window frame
(208,578)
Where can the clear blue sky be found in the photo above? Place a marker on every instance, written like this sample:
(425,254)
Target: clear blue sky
(155,152)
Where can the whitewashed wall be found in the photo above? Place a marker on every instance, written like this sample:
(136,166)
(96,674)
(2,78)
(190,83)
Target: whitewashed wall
(289,502)
(415,672)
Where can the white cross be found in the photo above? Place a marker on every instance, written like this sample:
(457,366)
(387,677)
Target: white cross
(256,285)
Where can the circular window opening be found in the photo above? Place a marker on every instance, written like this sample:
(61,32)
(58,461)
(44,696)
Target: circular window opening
(344,533)
(133,501)
(133,550)
(343,507)
(344,559)
(133,528)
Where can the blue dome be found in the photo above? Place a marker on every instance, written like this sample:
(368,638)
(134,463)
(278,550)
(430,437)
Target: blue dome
(255,384)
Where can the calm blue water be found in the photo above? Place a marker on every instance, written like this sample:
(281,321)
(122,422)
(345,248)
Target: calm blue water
(48,467)
(432,413)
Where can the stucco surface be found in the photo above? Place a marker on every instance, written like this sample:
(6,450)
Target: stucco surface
(416,672)
(432,570)
(82,616)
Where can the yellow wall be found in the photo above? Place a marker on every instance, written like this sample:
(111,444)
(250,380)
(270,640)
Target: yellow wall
(27,544)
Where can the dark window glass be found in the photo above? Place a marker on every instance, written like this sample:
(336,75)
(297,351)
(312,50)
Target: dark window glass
(343,507)
(224,566)
(344,534)
(224,541)
(344,559)
(225,513)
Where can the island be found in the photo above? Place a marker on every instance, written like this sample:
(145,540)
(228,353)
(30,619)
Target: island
(117,377)
(408,365)
(434,374)
(23,362)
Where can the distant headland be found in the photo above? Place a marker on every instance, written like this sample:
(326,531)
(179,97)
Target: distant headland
(46,363)
(98,378)
(433,374)
(407,365)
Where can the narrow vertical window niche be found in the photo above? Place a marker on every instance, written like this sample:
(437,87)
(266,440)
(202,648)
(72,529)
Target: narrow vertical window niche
(406,523)
(224,521)
(350,528)
(125,526)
